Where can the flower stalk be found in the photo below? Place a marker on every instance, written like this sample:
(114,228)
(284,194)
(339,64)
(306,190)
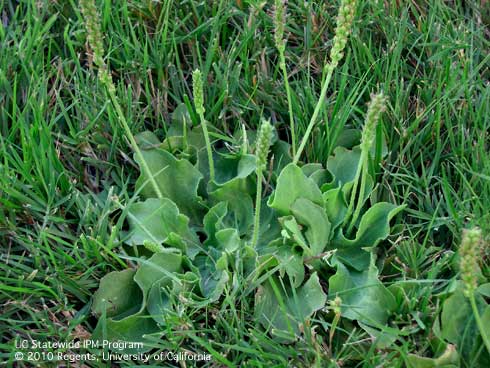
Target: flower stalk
(336,308)
(262,152)
(199,105)
(94,37)
(280,41)
(345,19)
(376,107)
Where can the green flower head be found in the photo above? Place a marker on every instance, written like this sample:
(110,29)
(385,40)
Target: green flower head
(197,90)
(345,19)
(376,107)
(263,144)
(469,252)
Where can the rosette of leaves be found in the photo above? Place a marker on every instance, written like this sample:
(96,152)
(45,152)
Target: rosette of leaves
(311,205)
(199,237)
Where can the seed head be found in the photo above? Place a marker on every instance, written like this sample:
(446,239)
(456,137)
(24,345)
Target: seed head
(376,107)
(197,90)
(106,78)
(263,144)
(94,33)
(153,247)
(279,23)
(469,252)
(345,18)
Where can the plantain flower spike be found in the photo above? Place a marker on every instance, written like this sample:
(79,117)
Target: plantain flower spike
(153,247)
(198,91)
(376,107)
(469,252)
(279,23)
(263,144)
(345,19)
(94,36)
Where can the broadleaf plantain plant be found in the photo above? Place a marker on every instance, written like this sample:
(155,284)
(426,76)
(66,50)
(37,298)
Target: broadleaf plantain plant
(197,226)
(201,233)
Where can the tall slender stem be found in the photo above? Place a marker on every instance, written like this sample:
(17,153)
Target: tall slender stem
(208,145)
(479,323)
(362,189)
(258,201)
(282,64)
(353,192)
(263,143)
(122,119)
(94,37)
(318,108)
(197,89)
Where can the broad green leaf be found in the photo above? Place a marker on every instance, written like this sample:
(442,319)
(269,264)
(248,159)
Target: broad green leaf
(282,309)
(240,204)
(213,277)
(166,295)
(384,336)
(292,232)
(249,260)
(317,173)
(335,206)
(118,295)
(484,289)
(181,117)
(130,329)
(311,168)
(458,326)
(322,178)
(228,240)
(291,263)
(343,164)
(449,359)
(159,221)
(315,219)
(414,361)
(177,180)
(281,152)
(230,168)
(291,185)
(270,228)
(456,315)
(130,325)
(180,148)
(348,138)
(191,141)
(159,266)
(195,138)
(364,297)
(214,221)
(159,302)
(374,227)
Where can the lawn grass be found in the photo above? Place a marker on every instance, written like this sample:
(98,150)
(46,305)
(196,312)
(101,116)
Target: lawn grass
(66,166)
